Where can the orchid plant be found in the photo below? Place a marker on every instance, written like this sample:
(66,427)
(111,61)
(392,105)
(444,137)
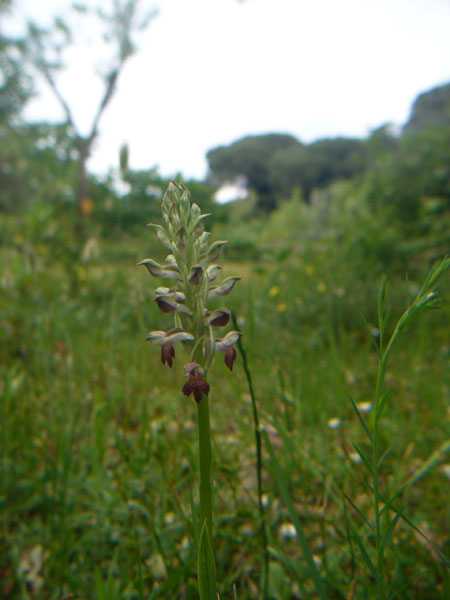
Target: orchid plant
(191,265)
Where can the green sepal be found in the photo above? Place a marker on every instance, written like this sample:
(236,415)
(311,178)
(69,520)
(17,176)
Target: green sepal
(161,234)
(162,271)
(224,288)
(212,253)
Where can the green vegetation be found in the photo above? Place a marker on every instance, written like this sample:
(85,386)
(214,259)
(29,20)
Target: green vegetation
(330,463)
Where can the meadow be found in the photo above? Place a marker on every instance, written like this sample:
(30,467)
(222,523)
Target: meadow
(98,444)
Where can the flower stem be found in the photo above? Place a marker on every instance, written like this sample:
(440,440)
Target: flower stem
(205,462)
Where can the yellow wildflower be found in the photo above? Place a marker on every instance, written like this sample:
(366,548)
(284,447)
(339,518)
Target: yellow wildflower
(274,291)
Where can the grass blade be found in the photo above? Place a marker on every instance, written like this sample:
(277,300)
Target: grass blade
(312,569)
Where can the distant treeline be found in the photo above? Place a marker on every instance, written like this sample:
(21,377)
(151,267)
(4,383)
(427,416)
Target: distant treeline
(40,164)
(272,165)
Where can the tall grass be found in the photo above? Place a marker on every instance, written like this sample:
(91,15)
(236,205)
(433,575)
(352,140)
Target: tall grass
(98,455)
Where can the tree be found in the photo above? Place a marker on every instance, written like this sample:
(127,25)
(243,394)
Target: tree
(36,165)
(431,108)
(15,85)
(15,89)
(250,158)
(274,164)
(45,49)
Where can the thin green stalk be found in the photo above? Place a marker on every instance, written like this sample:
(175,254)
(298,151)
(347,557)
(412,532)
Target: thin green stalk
(207,586)
(205,463)
(384,354)
(382,365)
(426,298)
(257,432)
(378,535)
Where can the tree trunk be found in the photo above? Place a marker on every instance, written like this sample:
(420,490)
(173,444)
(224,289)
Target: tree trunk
(84,203)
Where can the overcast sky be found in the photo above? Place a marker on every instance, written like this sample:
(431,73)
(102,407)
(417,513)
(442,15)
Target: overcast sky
(211,71)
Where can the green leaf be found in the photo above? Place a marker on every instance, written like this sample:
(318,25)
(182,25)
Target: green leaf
(366,557)
(281,481)
(206,567)
(389,449)
(382,403)
(426,466)
(411,524)
(364,458)
(390,530)
(382,317)
(361,420)
(353,505)
(373,339)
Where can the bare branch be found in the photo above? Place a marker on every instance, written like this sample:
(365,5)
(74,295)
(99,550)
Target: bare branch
(108,94)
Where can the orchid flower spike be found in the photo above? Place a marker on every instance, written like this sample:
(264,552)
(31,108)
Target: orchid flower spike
(191,267)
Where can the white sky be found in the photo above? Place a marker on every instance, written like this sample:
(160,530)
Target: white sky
(208,72)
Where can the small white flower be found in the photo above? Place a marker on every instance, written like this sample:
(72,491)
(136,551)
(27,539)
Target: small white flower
(334,423)
(445,469)
(169,518)
(355,457)
(287,530)
(364,406)
(156,565)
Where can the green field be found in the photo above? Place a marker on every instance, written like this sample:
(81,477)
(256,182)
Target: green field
(99,446)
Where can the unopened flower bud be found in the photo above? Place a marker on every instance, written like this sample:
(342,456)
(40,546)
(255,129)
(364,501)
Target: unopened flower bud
(161,271)
(181,238)
(211,272)
(212,254)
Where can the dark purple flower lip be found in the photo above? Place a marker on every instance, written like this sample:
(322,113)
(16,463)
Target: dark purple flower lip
(196,386)
(171,302)
(195,274)
(167,354)
(218,317)
(225,345)
(166,340)
(165,306)
(230,357)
